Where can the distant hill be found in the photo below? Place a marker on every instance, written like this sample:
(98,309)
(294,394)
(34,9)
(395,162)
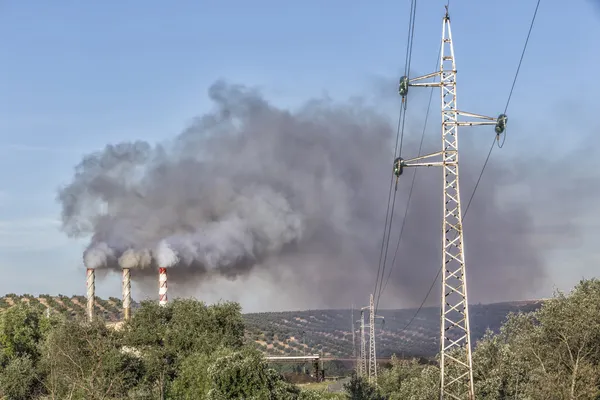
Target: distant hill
(325,331)
(74,306)
(329,331)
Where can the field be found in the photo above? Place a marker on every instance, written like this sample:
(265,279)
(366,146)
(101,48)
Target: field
(73,306)
(326,332)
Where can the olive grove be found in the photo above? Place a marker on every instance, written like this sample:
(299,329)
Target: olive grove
(190,350)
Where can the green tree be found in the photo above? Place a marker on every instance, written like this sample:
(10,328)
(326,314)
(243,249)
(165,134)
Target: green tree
(166,336)
(360,389)
(244,374)
(21,329)
(320,395)
(19,380)
(410,380)
(551,353)
(192,381)
(86,361)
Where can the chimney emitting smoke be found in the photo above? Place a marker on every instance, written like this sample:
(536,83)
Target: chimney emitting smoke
(91,292)
(162,286)
(126,294)
(250,188)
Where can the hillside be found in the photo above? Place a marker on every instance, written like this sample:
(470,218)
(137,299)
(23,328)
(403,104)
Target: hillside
(74,306)
(329,331)
(325,331)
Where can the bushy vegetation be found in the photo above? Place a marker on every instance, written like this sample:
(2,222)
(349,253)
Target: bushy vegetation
(326,332)
(329,331)
(187,350)
(552,353)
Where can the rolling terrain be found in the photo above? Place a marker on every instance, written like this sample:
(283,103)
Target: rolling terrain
(327,332)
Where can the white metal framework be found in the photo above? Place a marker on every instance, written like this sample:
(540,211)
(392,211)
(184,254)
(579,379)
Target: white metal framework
(372,371)
(362,364)
(353,333)
(456,368)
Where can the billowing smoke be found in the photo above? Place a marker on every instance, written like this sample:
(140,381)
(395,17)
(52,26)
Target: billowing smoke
(296,196)
(130,258)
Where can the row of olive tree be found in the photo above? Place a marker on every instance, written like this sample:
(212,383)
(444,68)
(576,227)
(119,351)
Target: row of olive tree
(549,354)
(187,350)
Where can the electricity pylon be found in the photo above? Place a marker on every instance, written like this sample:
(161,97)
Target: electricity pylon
(362,362)
(372,372)
(353,333)
(456,365)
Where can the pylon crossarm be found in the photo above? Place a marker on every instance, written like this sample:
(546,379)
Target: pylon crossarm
(475,123)
(478,116)
(423,157)
(400,163)
(429,164)
(499,122)
(420,78)
(426,84)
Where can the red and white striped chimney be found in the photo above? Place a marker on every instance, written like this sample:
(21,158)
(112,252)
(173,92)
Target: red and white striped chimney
(162,286)
(91,292)
(126,293)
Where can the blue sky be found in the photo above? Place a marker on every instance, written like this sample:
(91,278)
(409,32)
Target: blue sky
(77,75)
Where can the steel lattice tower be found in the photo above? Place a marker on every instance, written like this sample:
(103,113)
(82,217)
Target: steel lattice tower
(372,365)
(353,333)
(456,367)
(362,368)
(372,353)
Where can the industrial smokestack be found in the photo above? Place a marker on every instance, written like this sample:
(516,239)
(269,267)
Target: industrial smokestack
(91,292)
(126,293)
(162,286)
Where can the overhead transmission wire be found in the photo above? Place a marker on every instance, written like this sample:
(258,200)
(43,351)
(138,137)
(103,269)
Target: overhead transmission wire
(482,169)
(412,185)
(397,150)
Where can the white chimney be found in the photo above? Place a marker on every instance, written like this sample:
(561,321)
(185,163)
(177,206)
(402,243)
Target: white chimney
(162,286)
(126,293)
(91,292)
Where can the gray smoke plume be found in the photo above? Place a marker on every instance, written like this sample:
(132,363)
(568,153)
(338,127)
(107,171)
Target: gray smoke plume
(300,195)
(132,258)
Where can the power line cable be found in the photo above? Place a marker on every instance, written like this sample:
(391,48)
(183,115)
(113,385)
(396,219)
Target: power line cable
(399,143)
(519,66)
(397,152)
(411,188)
